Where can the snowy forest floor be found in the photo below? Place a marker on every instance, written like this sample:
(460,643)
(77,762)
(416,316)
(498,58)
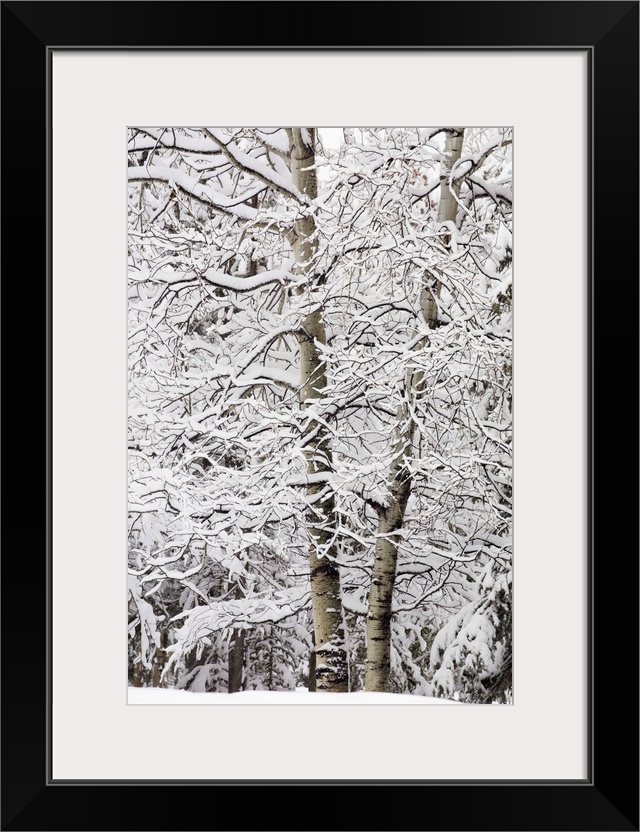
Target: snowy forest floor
(301,696)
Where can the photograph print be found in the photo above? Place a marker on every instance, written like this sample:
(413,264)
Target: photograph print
(320,415)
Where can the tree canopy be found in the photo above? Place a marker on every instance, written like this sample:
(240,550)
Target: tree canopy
(320,409)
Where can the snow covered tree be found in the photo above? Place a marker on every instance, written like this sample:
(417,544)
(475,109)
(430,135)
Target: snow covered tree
(392,510)
(471,656)
(319,399)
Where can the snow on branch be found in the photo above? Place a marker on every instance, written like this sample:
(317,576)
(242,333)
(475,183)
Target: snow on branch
(192,187)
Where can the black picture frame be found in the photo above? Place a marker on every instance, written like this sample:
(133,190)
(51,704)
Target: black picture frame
(608,798)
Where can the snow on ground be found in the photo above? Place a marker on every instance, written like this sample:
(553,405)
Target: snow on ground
(301,696)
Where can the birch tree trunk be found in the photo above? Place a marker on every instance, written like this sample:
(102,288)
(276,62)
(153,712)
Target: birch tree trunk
(391,518)
(331,659)
(447,212)
(448,207)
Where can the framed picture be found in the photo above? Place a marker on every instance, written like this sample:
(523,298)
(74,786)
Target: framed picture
(564,77)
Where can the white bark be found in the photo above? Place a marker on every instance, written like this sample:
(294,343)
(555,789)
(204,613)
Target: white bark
(447,212)
(331,658)
(448,206)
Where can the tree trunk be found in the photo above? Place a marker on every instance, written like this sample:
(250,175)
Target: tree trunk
(391,518)
(236,661)
(385,558)
(136,677)
(331,657)
(448,206)
(159,660)
(236,655)
(311,684)
(447,212)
